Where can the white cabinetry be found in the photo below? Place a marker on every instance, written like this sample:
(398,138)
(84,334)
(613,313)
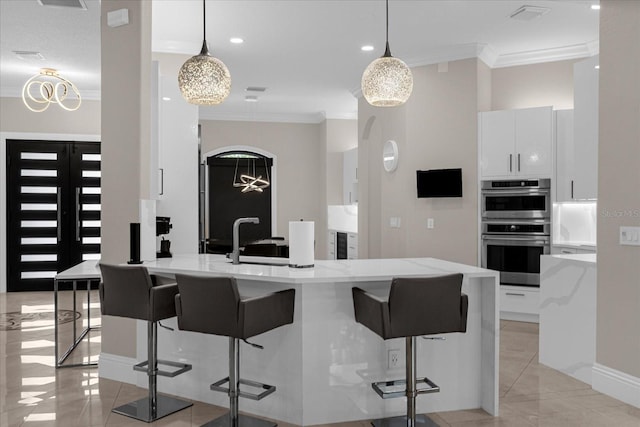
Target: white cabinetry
(331,245)
(350,176)
(519,303)
(585,116)
(516,143)
(352,246)
(565,158)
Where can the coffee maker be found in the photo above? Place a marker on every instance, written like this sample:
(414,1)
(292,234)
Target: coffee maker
(163,226)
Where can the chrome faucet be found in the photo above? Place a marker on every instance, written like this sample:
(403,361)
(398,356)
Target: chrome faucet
(235,255)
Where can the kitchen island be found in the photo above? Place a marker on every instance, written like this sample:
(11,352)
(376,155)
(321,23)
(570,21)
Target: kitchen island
(323,364)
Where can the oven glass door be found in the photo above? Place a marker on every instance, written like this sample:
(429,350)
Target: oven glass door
(515,204)
(516,258)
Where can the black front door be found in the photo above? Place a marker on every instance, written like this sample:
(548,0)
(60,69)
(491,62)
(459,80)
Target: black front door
(53,210)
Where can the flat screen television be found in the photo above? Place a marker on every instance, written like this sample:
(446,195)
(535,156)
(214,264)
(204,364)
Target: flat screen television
(439,183)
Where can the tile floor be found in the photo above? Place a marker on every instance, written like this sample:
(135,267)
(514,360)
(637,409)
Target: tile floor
(35,394)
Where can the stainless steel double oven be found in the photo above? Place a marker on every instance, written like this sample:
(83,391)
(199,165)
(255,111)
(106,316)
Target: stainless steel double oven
(516,225)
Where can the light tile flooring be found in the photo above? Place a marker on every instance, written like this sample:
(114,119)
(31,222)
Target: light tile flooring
(35,394)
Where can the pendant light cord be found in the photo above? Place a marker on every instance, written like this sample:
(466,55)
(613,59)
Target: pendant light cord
(387,51)
(204,20)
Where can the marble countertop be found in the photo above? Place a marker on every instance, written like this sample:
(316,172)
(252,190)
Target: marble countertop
(588,258)
(360,270)
(576,244)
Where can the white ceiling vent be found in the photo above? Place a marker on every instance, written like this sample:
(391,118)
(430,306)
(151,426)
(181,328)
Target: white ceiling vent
(527,13)
(27,55)
(74,4)
(255,89)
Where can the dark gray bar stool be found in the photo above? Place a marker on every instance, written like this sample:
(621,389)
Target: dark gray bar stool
(416,306)
(129,291)
(212,305)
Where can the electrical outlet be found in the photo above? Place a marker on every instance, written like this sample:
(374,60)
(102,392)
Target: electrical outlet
(430,223)
(394,359)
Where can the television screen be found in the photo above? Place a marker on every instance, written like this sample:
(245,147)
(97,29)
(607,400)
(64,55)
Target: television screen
(439,183)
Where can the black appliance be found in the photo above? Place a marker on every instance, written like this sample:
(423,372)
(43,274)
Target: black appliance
(517,199)
(439,183)
(163,226)
(341,245)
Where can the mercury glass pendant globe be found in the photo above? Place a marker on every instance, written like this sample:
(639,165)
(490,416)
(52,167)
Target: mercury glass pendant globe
(387,82)
(204,80)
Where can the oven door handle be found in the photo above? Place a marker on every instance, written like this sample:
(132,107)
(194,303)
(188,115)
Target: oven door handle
(512,239)
(516,192)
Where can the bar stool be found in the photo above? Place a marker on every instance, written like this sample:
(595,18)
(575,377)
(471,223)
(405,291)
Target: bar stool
(416,306)
(212,305)
(129,291)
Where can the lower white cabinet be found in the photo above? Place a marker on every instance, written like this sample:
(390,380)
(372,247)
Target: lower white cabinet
(569,250)
(519,303)
(333,243)
(352,246)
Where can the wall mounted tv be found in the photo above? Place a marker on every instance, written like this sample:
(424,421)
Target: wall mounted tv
(439,183)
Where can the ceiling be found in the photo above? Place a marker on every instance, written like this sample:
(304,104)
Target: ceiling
(305,52)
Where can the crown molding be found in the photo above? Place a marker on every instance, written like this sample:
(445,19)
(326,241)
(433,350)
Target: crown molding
(546,55)
(206,113)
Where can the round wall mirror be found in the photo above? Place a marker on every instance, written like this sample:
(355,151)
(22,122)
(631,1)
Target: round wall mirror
(390,156)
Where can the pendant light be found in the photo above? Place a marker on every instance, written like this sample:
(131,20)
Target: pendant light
(48,87)
(387,81)
(203,79)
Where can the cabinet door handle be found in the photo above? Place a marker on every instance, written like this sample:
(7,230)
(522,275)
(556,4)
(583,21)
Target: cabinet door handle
(572,189)
(510,162)
(161,181)
(518,162)
(514,294)
(565,251)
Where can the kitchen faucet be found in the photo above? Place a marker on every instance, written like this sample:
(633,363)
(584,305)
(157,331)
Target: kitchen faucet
(235,255)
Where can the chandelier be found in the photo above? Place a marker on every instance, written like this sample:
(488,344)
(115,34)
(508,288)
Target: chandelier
(48,87)
(203,79)
(387,81)
(249,181)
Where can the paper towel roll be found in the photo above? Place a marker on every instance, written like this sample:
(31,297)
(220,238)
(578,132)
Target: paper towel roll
(301,244)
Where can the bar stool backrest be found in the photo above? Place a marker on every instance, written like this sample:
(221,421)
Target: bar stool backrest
(208,304)
(124,291)
(427,305)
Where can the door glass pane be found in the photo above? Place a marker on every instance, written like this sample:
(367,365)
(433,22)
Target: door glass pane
(89,257)
(38,241)
(91,223)
(38,190)
(38,207)
(39,156)
(38,172)
(36,258)
(90,240)
(91,207)
(91,174)
(90,190)
(38,224)
(38,274)
(91,157)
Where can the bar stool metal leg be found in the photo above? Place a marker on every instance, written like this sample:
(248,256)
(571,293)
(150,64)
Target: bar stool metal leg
(154,406)
(233,418)
(411,392)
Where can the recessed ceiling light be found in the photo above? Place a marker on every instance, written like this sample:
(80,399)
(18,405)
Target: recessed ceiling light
(236,40)
(595,7)
(367,48)
(251,98)
(527,13)
(166,98)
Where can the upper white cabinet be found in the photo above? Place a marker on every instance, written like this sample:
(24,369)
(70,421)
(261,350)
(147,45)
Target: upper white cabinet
(350,176)
(565,157)
(585,128)
(516,143)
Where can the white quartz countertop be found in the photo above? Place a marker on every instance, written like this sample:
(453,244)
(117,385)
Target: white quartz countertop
(361,270)
(588,258)
(575,244)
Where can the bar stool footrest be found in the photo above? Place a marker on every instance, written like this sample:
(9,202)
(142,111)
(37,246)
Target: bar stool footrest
(268,389)
(398,388)
(182,368)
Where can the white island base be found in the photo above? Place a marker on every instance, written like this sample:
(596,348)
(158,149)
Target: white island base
(324,363)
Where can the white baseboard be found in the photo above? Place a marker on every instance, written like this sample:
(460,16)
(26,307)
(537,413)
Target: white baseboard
(616,384)
(117,368)
(520,317)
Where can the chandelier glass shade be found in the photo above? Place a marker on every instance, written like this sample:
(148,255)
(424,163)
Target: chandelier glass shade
(387,81)
(48,87)
(204,79)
